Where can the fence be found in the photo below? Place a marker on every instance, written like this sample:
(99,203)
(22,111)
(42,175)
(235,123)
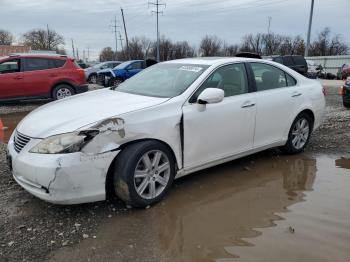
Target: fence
(331,64)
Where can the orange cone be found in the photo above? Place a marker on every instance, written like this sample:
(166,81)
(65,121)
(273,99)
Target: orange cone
(2,133)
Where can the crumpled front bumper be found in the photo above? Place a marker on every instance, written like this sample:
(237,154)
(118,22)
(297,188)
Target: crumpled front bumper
(61,178)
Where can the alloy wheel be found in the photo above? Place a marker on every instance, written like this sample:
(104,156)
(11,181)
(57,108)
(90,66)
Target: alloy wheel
(152,174)
(300,133)
(63,92)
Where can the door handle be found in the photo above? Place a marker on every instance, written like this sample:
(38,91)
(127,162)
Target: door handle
(18,77)
(248,104)
(52,75)
(296,94)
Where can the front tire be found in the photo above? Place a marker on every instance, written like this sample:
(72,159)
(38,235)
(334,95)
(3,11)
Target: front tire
(92,79)
(144,173)
(62,91)
(299,134)
(346,104)
(115,82)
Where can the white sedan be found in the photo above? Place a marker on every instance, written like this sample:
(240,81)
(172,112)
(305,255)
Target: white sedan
(170,120)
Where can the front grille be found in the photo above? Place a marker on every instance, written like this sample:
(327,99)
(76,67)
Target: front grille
(20,141)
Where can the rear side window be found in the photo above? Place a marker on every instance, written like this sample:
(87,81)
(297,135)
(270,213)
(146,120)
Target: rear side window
(33,64)
(299,60)
(278,60)
(288,61)
(56,63)
(136,65)
(268,77)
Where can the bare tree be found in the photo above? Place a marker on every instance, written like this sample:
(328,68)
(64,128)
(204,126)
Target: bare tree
(210,46)
(107,54)
(229,50)
(272,43)
(41,39)
(182,50)
(252,43)
(292,46)
(6,38)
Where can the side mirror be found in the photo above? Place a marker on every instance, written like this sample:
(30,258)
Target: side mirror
(211,95)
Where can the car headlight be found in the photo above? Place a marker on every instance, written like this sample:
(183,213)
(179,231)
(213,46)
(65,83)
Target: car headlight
(61,144)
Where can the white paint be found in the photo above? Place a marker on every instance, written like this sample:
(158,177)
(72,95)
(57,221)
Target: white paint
(213,133)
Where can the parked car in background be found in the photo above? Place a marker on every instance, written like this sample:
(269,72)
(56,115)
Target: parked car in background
(117,75)
(91,72)
(343,72)
(295,62)
(83,65)
(170,120)
(34,76)
(345,93)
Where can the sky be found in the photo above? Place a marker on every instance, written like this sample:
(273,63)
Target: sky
(88,21)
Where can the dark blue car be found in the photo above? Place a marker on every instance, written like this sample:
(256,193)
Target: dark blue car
(117,75)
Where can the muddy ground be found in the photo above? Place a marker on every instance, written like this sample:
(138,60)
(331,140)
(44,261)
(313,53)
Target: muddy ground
(265,207)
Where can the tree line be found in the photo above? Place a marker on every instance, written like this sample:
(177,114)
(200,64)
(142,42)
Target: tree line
(325,43)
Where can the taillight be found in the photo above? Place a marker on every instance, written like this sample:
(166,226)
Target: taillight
(341,91)
(324,91)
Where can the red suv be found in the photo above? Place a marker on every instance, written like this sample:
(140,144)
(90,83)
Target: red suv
(27,76)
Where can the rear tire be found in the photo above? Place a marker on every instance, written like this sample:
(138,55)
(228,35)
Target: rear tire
(62,91)
(299,134)
(144,173)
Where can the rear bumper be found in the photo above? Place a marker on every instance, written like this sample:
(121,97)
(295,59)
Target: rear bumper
(81,89)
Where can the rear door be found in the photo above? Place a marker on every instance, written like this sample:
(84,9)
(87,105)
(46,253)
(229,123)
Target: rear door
(278,98)
(37,75)
(223,129)
(11,78)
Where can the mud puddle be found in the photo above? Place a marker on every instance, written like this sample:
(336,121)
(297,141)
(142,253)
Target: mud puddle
(9,123)
(261,208)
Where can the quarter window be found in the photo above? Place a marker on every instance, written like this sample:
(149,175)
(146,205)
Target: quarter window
(10,66)
(33,64)
(56,63)
(268,77)
(290,80)
(231,78)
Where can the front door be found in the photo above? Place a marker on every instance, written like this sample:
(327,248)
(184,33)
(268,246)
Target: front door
(217,131)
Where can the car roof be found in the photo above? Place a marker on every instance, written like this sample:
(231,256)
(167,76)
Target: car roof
(212,60)
(36,55)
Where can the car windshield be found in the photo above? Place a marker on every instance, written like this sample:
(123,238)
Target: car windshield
(123,65)
(163,80)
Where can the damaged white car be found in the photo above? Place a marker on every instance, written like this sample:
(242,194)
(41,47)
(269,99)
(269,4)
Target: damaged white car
(170,120)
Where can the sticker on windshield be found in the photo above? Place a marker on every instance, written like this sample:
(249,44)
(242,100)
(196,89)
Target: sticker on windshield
(191,68)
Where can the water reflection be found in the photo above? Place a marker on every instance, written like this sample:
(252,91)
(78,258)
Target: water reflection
(205,213)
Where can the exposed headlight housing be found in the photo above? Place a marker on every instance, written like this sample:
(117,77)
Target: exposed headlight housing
(64,143)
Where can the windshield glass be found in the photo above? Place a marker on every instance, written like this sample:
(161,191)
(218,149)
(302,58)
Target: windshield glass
(163,80)
(98,65)
(123,65)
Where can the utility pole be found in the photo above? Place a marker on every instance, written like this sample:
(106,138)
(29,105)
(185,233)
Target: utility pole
(126,35)
(48,37)
(73,49)
(269,24)
(121,41)
(115,31)
(88,54)
(157,12)
(309,29)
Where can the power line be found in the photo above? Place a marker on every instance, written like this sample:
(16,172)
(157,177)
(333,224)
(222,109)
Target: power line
(157,12)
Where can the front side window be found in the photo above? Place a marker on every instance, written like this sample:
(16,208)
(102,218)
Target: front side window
(33,64)
(268,77)
(10,66)
(230,78)
(163,80)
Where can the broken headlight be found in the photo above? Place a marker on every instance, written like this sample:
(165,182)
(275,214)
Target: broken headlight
(63,144)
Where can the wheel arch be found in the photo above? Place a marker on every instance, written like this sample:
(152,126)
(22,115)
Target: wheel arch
(109,178)
(310,113)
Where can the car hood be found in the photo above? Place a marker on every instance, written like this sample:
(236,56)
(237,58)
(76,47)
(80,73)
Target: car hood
(72,113)
(104,71)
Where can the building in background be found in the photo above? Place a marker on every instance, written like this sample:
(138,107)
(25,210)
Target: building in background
(12,49)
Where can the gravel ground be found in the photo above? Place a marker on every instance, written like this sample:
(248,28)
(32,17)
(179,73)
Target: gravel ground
(30,229)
